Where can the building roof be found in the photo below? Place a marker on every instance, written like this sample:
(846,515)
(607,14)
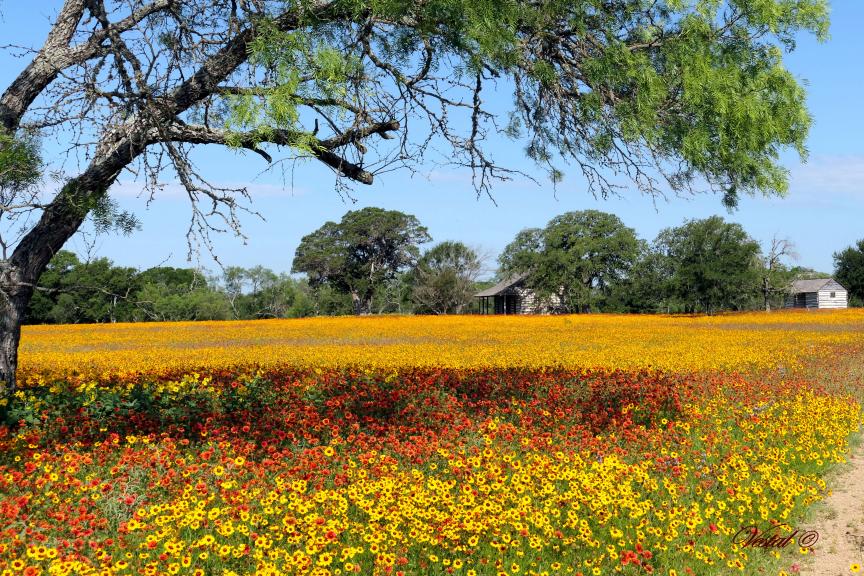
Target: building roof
(814,285)
(502,286)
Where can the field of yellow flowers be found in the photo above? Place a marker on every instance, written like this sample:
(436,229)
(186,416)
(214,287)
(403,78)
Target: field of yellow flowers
(409,445)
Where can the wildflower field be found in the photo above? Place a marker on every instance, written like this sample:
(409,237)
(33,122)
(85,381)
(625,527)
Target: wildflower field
(413,445)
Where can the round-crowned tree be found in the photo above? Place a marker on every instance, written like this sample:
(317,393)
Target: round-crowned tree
(364,250)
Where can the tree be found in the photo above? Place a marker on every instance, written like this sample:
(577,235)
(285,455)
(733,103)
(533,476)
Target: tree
(521,254)
(575,260)
(646,288)
(366,249)
(775,276)
(695,90)
(159,302)
(714,265)
(444,279)
(71,292)
(326,301)
(174,294)
(805,273)
(394,296)
(45,300)
(258,292)
(849,271)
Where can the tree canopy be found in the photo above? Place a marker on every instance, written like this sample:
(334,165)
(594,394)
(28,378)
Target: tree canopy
(364,250)
(73,291)
(591,261)
(714,265)
(576,258)
(849,270)
(445,278)
(691,92)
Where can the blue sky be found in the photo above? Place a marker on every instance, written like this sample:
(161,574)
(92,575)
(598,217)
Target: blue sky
(822,213)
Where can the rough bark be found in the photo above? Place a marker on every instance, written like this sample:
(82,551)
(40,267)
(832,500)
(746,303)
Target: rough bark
(14,296)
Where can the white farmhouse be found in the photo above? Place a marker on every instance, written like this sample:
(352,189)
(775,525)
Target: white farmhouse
(817,293)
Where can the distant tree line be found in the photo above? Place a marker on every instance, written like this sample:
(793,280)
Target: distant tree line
(590,261)
(72,291)
(371,263)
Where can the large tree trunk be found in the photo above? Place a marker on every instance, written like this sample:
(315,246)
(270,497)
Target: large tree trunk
(14,297)
(19,275)
(362,304)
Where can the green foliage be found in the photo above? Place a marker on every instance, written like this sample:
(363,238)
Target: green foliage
(171,302)
(714,265)
(697,86)
(107,217)
(258,292)
(300,65)
(327,301)
(20,164)
(394,295)
(647,286)
(776,285)
(804,273)
(521,254)
(108,405)
(576,261)
(775,276)
(366,249)
(590,261)
(849,271)
(71,292)
(443,280)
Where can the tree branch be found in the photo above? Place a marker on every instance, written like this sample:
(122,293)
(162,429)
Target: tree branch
(320,149)
(56,55)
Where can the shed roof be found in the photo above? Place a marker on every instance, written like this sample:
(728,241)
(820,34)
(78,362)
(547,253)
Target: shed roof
(501,286)
(814,285)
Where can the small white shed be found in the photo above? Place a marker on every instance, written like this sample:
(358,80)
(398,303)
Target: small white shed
(817,293)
